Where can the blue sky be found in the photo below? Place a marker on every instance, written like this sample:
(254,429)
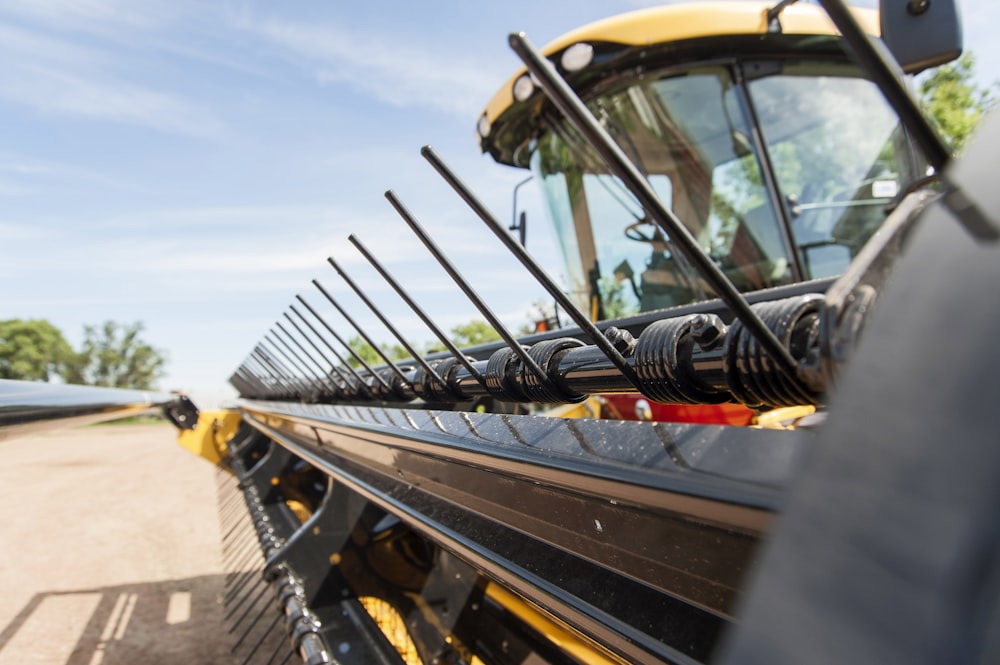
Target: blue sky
(191,164)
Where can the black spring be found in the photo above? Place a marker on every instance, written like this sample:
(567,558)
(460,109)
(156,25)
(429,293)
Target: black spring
(662,360)
(430,389)
(752,375)
(501,376)
(546,354)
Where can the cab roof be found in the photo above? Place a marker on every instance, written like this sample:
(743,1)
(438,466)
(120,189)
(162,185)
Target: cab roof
(639,33)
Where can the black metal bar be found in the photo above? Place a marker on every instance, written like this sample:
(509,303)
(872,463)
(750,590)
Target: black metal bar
(292,357)
(880,66)
(582,498)
(343,363)
(469,292)
(536,270)
(30,406)
(333,366)
(388,361)
(769,177)
(354,354)
(388,324)
(323,372)
(279,371)
(253,365)
(565,98)
(267,364)
(458,355)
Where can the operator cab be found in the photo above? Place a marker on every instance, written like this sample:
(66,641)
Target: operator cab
(761,135)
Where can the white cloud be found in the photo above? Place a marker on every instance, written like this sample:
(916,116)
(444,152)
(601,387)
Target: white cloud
(392,70)
(54,76)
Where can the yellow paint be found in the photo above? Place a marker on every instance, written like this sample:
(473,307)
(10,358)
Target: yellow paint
(209,437)
(561,636)
(393,627)
(588,408)
(672,23)
(783,418)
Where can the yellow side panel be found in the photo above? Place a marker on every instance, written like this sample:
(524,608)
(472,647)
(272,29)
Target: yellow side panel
(208,439)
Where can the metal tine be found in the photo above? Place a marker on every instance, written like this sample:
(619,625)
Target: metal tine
(245,376)
(355,354)
(566,100)
(343,363)
(322,376)
(279,386)
(469,292)
(268,364)
(375,310)
(244,385)
(398,372)
(298,364)
(529,262)
(247,373)
(459,356)
(333,366)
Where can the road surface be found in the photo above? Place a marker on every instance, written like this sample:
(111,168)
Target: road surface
(109,550)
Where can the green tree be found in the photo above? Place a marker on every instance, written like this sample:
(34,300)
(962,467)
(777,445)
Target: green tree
(473,333)
(370,355)
(114,355)
(954,101)
(34,350)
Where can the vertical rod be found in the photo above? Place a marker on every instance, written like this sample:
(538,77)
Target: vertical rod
(364,335)
(459,356)
(354,354)
(392,329)
(571,106)
(469,292)
(357,377)
(533,267)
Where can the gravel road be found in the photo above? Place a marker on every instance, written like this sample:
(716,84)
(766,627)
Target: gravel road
(109,550)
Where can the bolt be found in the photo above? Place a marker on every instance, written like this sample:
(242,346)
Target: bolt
(621,340)
(707,330)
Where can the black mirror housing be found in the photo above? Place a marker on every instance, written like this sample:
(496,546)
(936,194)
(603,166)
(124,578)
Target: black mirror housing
(921,33)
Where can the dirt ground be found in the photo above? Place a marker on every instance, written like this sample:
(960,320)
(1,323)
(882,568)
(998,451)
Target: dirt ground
(109,550)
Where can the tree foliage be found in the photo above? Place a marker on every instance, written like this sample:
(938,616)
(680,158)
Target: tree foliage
(951,97)
(473,333)
(114,355)
(34,350)
(370,355)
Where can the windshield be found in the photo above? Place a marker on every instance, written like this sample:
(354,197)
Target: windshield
(837,157)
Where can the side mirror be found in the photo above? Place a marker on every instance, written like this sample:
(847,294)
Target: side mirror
(921,33)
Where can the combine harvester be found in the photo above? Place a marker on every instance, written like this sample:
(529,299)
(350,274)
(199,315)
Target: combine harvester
(759,185)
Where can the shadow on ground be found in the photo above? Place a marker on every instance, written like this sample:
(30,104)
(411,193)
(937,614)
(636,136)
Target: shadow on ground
(178,622)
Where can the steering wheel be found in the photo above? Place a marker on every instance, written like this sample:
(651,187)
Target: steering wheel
(632,232)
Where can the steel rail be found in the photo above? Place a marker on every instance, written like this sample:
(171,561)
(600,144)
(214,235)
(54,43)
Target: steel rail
(672,519)
(29,406)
